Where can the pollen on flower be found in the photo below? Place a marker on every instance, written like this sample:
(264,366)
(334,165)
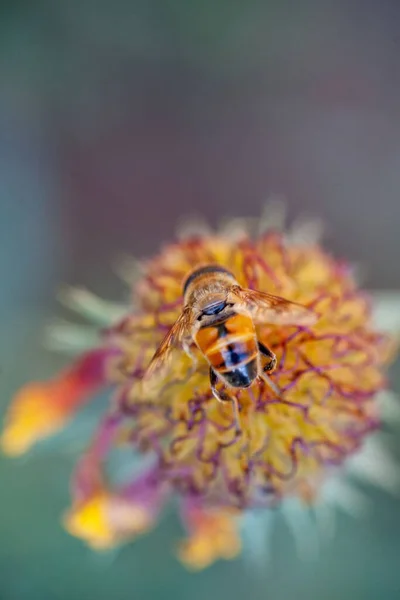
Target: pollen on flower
(328,375)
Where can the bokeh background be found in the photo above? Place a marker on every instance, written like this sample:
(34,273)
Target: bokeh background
(118,118)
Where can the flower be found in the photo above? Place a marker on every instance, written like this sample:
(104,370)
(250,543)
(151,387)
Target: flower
(105,517)
(292,443)
(213,534)
(41,409)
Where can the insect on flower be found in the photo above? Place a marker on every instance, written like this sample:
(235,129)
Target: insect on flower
(265,323)
(219,317)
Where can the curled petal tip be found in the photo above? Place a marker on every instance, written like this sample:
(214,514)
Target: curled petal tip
(33,415)
(213,536)
(40,409)
(106,520)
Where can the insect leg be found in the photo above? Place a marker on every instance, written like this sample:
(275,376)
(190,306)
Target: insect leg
(193,358)
(222,397)
(271,363)
(268,368)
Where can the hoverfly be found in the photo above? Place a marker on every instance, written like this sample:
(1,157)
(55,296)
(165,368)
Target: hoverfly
(219,317)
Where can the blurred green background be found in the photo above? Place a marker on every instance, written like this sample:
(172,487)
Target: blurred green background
(117,119)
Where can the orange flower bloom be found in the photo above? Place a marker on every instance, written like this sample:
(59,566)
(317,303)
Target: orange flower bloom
(328,376)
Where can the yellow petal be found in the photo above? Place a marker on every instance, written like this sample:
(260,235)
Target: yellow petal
(106,520)
(35,413)
(214,537)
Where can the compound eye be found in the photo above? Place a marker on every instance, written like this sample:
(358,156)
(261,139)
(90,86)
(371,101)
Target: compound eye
(214,309)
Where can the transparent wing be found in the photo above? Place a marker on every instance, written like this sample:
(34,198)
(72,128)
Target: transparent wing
(266,308)
(158,366)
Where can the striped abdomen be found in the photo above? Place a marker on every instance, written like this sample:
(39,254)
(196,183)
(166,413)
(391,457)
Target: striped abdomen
(230,346)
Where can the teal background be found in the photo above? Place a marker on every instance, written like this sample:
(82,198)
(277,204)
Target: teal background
(116,119)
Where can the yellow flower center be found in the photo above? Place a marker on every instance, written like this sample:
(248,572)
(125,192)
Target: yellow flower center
(327,375)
